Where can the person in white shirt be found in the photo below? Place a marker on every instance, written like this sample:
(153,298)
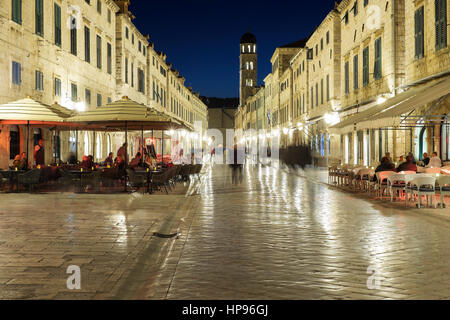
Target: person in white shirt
(435,161)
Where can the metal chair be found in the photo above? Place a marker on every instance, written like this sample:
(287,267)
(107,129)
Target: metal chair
(136,180)
(30,178)
(444,188)
(423,186)
(91,179)
(396,182)
(160,181)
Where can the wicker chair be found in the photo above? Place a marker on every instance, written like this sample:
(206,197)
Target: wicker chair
(184,172)
(91,179)
(136,180)
(3,180)
(29,179)
(160,180)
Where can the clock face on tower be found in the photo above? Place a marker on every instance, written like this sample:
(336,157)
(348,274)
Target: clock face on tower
(248,66)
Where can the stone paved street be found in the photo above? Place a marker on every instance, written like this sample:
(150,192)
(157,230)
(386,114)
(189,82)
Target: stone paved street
(279,235)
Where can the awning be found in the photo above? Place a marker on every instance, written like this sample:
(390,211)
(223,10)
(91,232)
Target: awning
(126,113)
(402,103)
(24,110)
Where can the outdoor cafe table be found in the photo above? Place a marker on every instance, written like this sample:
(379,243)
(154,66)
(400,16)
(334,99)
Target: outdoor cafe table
(79,172)
(148,175)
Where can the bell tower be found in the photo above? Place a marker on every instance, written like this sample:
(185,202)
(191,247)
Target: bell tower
(248,67)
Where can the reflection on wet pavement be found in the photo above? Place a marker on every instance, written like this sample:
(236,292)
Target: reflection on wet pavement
(281,236)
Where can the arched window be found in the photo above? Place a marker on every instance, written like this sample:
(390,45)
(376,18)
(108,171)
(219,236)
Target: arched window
(86,144)
(246,65)
(251,65)
(254,48)
(72,141)
(420,140)
(445,139)
(249,49)
(108,144)
(98,147)
(243,49)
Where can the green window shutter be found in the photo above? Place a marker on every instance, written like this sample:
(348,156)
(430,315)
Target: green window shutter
(422,32)
(57,24)
(346,77)
(355,72)
(441,23)
(16,7)
(366,66)
(378,59)
(416,33)
(87,44)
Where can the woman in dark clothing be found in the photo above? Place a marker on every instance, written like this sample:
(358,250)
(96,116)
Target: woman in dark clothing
(386,165)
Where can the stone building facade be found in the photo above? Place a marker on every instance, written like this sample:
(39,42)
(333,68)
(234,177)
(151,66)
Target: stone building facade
(355,80)
(80,55)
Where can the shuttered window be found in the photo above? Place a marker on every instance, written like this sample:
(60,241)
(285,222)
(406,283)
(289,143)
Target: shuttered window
(39,80)
(99,52)
(73,36)
(39,17)
(109,57)
(441,23)
(87,44)
(132,74)
(57,14)
(419,33)
(87,96)
(346,70)
(321,91)
(377,64)
(317,94)
(17,11)
(99,100)
(74,92)
(141,80)
(16,73)
(355,72)
(328,87)
(366,66)
(57,87)
(126,70)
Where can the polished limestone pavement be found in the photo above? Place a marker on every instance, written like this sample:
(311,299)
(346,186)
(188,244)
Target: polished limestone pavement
(280,234)
(285,234)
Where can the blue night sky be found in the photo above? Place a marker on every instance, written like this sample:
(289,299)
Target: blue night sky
(201,37)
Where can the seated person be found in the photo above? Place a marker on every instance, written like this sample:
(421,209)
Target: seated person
(435,161)
(410,154)
(86,163)
(149,162)
(109,160)
(425,159)
(72,158)
(386,165)
(23,165)
(16,162)
(136,161)
(409,165)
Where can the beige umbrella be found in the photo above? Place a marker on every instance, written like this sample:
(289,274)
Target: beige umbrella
(31,110)
(126,113)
